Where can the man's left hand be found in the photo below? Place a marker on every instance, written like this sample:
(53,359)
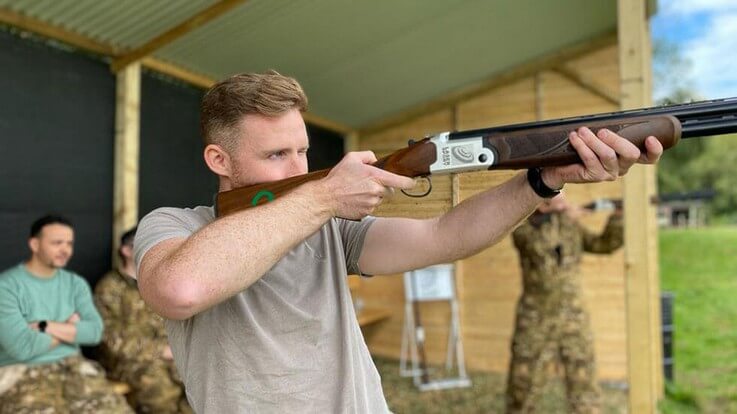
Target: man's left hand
(605,156)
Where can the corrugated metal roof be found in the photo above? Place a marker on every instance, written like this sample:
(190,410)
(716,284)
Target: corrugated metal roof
(359,61)
(122,23)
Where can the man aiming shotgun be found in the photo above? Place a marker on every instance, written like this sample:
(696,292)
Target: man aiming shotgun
(260,315)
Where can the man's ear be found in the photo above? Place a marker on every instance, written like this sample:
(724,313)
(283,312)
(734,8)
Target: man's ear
(218,160)
(33,244)
(127,250)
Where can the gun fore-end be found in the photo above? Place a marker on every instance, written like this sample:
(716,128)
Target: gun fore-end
(547,147)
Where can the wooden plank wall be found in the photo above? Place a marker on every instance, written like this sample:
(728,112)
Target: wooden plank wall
(489,283)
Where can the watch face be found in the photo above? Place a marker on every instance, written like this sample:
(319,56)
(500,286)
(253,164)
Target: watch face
(42,326)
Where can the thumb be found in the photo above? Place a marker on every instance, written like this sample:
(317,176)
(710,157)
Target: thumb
(365,157)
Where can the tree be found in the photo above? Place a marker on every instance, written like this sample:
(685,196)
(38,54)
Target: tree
(715,168)
(672,78)
(694,164)
(672,85)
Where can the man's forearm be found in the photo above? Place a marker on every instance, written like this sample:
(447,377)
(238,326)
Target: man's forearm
(229,254)
(484,219)
(396,245)
(62,331)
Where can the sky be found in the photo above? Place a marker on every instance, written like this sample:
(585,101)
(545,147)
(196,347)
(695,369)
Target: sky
(705,32)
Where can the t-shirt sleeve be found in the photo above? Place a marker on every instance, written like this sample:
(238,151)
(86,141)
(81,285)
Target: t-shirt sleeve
(353,234)
(157,226)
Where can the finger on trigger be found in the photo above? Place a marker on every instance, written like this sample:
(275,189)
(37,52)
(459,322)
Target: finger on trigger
(367,157)
(394,180)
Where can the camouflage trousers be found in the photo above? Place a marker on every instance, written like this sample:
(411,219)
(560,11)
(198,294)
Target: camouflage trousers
(155,386)
(72,385)
(544,335)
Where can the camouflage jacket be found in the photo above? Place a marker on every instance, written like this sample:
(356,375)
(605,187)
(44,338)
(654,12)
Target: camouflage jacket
(132,331)
(550,247)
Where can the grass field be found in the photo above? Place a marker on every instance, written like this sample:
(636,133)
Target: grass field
(700,267)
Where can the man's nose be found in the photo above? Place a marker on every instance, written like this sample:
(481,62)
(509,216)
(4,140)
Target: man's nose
(296,165)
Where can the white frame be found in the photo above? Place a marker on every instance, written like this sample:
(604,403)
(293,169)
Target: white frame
(434,283)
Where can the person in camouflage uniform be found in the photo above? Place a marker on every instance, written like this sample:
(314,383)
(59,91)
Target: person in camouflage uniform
(71,385)
(551,320)
(46,313)
(134,348)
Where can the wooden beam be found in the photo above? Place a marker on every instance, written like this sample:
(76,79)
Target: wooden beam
(587,83)
(42,28)
(206,82)
(198,20)
(527,69)
(539,96)
(642,300)
(327,123)
(127,144)
(177,72)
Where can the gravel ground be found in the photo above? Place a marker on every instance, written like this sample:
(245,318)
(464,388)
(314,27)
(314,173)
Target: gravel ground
(486,395)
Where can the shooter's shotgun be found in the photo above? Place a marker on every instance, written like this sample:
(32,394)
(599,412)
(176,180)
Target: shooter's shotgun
(518,146)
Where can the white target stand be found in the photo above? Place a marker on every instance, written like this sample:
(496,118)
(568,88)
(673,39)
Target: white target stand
(434,283)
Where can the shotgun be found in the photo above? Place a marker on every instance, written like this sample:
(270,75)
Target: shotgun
(517,146)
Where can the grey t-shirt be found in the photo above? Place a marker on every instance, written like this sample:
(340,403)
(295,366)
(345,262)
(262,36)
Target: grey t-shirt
(288,343)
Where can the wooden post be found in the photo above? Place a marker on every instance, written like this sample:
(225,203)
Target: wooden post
(127,138)
(539,96)
(455,188)
(351,142)
(644,343)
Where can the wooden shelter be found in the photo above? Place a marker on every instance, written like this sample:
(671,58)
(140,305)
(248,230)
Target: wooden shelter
(379,73)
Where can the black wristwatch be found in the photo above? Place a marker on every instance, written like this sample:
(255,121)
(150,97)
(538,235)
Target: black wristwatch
(534,177)
(42,326)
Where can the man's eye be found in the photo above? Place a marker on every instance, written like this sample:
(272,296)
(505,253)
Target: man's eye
(276,155)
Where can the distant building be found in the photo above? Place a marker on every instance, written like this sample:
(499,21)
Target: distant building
(687,209)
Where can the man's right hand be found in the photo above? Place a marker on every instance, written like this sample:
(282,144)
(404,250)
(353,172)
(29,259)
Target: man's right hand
(166,353)
(74,318)
(356,188)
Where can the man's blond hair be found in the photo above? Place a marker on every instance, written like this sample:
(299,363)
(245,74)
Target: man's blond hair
(228,101)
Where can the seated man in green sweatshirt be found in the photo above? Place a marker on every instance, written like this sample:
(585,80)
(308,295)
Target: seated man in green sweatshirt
(46,313)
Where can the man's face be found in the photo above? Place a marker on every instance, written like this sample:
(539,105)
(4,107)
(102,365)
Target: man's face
(270,149)
(54,245)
